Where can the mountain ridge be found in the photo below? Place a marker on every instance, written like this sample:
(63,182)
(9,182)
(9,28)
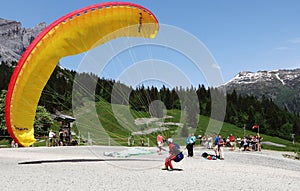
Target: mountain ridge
(14,39)
(282,86)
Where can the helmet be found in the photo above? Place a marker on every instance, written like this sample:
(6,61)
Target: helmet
(170,140)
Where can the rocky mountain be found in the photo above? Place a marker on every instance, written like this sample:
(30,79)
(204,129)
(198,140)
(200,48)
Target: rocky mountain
(14,39)
(282,86)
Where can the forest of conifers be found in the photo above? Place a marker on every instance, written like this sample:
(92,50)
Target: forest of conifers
(240,110)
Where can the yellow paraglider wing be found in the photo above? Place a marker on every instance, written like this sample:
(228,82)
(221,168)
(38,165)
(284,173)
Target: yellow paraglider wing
(72,34)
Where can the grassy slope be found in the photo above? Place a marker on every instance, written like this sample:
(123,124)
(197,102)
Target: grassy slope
(121,128)
(113,125)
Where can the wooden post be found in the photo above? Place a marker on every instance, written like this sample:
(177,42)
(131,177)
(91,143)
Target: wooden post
(78,137)
(148,142)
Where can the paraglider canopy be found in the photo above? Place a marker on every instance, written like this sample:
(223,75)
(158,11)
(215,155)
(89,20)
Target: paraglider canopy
(74,33)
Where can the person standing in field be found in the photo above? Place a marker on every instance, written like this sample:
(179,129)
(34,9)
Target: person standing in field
(160,141)
(51,137)
(190,142)
(232,142)
(216,147)
(221,143)
(239,141)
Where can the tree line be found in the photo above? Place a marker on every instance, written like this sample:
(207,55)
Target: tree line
(240,109)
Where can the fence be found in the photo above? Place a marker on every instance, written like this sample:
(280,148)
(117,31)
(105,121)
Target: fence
(44,141)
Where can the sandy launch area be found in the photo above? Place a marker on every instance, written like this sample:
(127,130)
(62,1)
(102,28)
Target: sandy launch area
(99,168)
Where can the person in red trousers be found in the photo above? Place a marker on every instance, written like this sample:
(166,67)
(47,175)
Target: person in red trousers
(173,152)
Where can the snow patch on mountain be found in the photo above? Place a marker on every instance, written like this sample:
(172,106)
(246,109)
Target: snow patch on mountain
(281,76)
(277,75)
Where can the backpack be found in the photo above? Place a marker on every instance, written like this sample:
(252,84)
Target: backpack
(179,155)
(204,154)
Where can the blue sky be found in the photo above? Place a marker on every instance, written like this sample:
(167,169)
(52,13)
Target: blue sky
(241,35)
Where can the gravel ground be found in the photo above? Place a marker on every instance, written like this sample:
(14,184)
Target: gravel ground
(86,168)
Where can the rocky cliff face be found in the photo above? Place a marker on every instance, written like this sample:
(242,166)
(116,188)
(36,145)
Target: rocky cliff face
(282,86)
(14,39)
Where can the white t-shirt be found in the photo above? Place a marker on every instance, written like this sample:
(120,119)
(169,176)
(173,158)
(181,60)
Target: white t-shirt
(51,134)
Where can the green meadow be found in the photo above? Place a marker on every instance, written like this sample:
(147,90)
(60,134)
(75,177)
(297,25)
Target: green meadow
(102,123)
(114,124)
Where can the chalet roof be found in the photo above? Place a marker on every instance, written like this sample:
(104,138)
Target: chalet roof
(60,117)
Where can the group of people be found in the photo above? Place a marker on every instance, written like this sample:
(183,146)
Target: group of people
(64,138)
(248,143)
(13,144)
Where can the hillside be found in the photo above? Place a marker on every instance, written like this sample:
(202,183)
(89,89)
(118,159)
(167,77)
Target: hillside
(282,86)
(108,128)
